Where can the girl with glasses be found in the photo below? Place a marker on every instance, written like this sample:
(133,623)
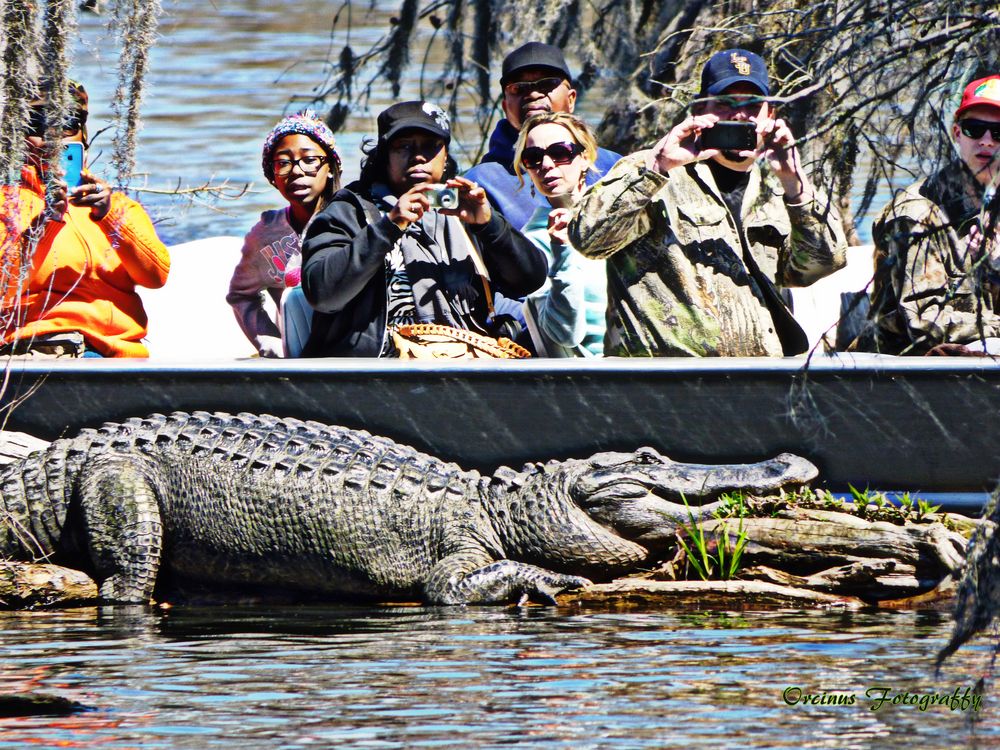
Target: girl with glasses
(566,316)
(300,159)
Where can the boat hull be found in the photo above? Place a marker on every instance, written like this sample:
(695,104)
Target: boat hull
(887,423)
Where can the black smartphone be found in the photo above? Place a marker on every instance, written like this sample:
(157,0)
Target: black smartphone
(727,135)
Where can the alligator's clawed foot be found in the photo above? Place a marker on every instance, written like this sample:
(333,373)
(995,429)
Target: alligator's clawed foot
(547,587)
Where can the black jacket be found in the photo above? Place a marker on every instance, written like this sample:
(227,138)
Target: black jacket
(343,272)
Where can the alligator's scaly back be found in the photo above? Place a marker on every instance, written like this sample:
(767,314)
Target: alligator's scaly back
(245,498)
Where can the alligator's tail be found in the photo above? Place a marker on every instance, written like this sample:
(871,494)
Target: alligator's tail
(32,506)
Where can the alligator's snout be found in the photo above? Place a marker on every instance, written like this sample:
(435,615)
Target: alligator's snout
(644,495)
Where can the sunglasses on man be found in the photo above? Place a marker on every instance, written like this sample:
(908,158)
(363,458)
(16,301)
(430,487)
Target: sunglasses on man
(542,85)
(37,124)
(560,153)
(974,129)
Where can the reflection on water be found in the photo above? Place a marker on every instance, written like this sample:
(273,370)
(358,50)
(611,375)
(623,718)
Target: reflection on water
(401,677)
(221,75)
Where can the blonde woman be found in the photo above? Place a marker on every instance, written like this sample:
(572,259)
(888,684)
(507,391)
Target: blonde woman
(566,316)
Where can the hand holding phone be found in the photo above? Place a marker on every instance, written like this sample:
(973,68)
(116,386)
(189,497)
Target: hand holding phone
(72,163)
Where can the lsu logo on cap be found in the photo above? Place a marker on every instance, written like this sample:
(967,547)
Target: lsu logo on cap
(988,90)
(741,63)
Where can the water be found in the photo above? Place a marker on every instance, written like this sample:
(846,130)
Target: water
(221,76)
(315,676)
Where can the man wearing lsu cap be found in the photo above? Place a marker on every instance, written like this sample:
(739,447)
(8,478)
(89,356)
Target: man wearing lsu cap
(698,239)
(937,270)
(534,79)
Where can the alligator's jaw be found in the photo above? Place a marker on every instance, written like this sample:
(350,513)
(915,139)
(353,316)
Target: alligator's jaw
(644,495)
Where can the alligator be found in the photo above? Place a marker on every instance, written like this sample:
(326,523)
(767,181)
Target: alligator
(281,504)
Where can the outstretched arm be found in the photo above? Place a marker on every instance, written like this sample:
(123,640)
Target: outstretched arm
(616,210)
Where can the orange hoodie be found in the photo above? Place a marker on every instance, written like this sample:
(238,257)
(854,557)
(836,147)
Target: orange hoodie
(83,273)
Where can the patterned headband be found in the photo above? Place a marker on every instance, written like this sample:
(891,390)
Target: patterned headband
(302,123)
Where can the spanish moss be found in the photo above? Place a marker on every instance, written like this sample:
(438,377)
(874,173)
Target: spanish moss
(134,22)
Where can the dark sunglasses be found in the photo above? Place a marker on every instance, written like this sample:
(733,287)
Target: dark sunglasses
(523,88)
(559,153)
(976,128)
(37,124)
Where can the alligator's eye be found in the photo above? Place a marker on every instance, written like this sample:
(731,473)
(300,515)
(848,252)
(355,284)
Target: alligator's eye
(648,456)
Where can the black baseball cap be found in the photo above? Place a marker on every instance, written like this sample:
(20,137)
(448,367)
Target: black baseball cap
(534,55)
(416,115)
(730,66)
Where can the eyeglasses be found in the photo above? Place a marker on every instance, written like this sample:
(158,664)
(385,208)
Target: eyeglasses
(37,124)
(559,153)
(976,128)
(309,165)
(542,85)
(735,101)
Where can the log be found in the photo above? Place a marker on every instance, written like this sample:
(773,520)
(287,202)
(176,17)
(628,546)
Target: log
(37,704)
(41,584)
(737,595)
(805,541)
(17,445)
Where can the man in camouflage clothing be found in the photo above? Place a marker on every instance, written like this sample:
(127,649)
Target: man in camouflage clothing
(936,247)
(697,239)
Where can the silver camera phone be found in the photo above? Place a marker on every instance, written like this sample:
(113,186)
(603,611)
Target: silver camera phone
(442,197)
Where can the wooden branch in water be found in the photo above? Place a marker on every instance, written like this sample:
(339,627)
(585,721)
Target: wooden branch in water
(16,445)
(640,592)
(34,584)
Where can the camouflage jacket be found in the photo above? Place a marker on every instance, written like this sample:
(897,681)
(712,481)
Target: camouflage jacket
(929,287)
(677,281)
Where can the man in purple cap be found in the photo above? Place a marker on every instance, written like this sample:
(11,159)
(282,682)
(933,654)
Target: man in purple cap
(937,246)
(534,79)
(703,230)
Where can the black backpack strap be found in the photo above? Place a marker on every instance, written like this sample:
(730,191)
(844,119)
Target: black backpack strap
(365,207)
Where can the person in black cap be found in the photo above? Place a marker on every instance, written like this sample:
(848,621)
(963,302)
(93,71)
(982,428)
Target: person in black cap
(535,79)
(380,255)
(699,238)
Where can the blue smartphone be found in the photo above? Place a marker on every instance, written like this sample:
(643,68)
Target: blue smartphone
(72,163)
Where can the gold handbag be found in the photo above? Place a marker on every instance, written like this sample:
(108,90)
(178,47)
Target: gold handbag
(433,341)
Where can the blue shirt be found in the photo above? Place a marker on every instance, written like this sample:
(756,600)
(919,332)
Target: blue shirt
(570,308)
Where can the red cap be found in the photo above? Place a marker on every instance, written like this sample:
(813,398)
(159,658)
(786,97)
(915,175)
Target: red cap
(983,91)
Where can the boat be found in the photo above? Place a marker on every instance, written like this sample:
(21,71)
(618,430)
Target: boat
(926,425)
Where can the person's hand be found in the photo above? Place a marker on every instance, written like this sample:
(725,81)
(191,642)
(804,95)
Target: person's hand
(953,350)
(270,347)
(57,200)
(558,224)
(783,158)
(411,206)
(94,193)
(473,205)
(680,145)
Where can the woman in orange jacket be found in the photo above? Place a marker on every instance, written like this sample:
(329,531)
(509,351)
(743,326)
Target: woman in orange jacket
(95,247)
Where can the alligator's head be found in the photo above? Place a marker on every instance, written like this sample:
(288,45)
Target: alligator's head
(641,494)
